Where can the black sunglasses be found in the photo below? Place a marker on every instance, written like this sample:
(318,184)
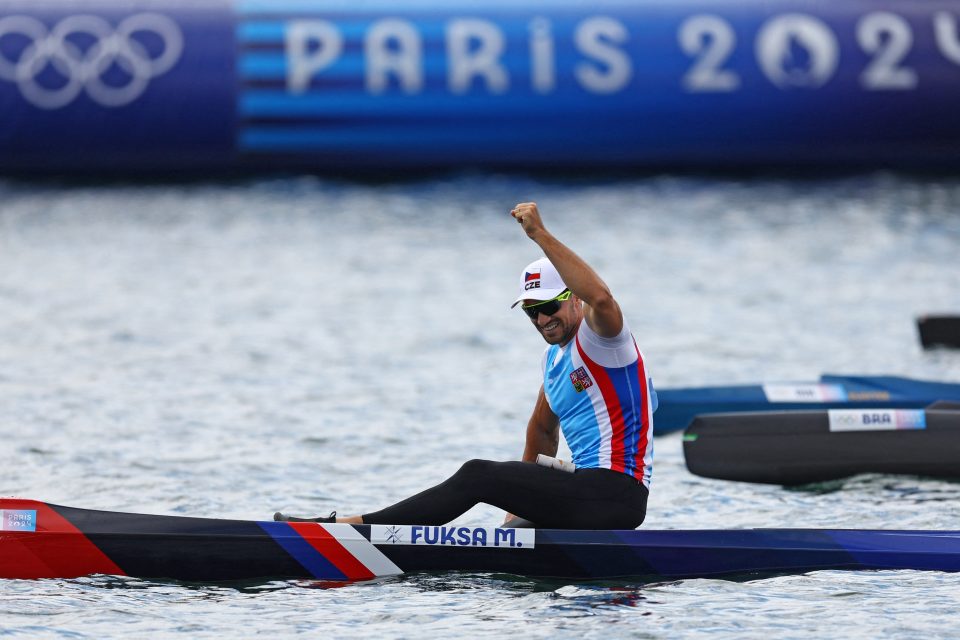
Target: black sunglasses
(547,307)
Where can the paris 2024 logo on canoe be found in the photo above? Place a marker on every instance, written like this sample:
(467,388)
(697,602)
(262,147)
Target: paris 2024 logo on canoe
(85,53)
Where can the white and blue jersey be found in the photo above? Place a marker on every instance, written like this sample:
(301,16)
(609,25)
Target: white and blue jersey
(601,391)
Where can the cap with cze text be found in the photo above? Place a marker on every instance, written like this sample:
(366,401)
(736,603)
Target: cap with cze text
(539,281)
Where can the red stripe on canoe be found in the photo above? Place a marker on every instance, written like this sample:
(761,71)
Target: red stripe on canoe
(57,549)
(331,549)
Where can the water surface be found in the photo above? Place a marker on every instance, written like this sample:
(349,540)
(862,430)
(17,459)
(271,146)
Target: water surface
(306,344)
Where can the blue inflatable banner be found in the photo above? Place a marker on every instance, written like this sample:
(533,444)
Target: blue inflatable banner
(144,85)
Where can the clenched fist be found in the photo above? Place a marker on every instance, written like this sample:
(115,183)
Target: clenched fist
(528,216)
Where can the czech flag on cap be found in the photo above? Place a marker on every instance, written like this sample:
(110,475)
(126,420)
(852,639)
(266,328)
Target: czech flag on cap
(539,280)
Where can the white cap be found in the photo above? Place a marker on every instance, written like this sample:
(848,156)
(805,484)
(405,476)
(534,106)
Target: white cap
(539,281)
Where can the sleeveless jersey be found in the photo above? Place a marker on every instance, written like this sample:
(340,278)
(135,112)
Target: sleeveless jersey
(601,392)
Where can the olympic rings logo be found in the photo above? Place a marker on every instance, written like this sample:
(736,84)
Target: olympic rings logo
(85,68)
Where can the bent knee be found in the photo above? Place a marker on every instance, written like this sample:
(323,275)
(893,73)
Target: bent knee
(475,468)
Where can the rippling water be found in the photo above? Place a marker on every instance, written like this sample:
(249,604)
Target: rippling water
(305,344)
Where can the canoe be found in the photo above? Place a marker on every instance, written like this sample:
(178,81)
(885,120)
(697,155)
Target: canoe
(678,407)
(41,540)
(800,447)
(939,331)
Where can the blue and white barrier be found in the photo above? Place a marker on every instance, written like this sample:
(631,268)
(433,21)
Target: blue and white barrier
(212,84)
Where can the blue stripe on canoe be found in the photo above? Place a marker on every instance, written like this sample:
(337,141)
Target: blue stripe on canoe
(294,544)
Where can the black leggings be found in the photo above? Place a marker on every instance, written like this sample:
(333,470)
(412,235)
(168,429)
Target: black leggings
(585,499)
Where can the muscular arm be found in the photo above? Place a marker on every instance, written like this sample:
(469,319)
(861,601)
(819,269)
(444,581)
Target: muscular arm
(601,311)
(543,431)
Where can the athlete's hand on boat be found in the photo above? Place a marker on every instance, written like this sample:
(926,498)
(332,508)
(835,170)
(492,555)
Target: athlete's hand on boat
(528,216)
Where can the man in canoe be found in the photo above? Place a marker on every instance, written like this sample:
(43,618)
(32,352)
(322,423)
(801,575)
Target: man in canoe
(595,389)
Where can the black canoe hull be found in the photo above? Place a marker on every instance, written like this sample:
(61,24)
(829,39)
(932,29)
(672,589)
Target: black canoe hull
(791,448)
(41,540)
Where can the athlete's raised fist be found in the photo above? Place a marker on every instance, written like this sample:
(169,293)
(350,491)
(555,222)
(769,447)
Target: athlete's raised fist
(528,216)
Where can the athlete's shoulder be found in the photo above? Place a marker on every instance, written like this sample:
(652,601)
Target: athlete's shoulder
(618,351)
(584,332)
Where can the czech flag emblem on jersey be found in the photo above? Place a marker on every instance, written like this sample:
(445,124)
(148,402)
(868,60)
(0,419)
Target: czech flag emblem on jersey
(581,380)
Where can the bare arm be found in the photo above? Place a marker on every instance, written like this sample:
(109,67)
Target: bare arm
(601,311)
(543,431)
